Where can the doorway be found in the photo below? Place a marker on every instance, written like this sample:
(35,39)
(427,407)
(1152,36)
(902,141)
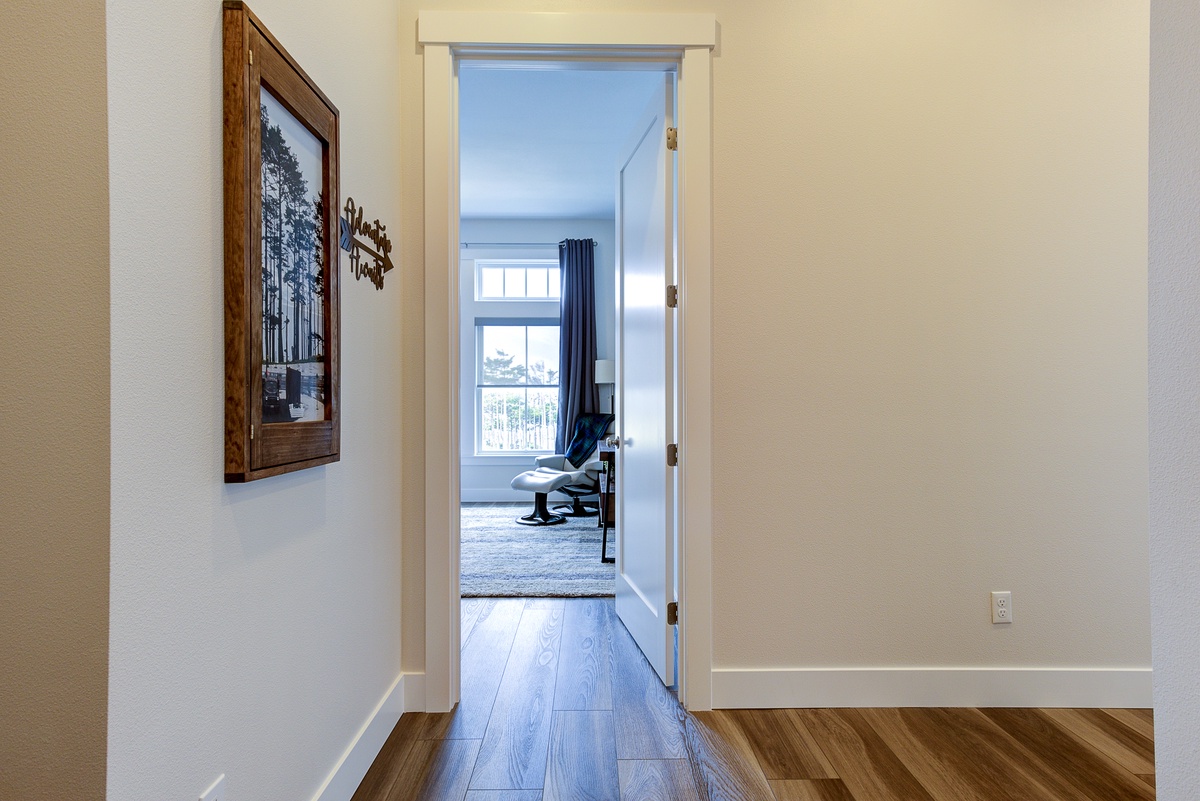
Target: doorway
(538,149)
(685,40)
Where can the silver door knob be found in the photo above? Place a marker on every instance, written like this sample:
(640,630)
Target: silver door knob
(612,441)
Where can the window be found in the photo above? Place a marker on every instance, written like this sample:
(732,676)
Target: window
(517,384)
(526,279)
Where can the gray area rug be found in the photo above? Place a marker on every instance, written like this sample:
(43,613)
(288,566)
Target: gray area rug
(501,558)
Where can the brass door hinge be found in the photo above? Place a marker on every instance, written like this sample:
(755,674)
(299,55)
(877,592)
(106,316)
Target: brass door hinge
(673,614)
(672,455)
(672,139)
(672,296)
(251,57)
(251,432)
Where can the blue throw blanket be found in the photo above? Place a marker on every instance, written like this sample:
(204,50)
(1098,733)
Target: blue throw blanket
(589,428)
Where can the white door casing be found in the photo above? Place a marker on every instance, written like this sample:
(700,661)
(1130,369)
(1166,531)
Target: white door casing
(688,40)
(645,376)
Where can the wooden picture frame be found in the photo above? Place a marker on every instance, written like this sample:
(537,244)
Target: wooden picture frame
(282,302)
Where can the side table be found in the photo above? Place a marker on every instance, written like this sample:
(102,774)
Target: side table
(608,494)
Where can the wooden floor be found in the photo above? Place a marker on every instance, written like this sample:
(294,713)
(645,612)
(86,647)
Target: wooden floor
(557,703)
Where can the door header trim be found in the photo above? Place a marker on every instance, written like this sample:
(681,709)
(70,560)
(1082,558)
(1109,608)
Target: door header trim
(467,28)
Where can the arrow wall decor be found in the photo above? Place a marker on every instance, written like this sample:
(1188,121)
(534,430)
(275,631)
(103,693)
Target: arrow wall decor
(351,228)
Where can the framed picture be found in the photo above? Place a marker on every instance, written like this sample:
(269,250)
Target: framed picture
(282,410)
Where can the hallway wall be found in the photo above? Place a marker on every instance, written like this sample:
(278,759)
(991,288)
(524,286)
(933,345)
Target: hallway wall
(254,627)
(1174,388)
(929,342)
(54,492)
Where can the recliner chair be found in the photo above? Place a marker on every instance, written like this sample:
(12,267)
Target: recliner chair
(560,473)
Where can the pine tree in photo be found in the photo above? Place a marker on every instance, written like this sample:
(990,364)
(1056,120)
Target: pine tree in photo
(293,324)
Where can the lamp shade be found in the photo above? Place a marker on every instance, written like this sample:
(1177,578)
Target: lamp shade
(606,371)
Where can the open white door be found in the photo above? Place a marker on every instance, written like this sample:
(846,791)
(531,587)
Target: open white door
(645,351)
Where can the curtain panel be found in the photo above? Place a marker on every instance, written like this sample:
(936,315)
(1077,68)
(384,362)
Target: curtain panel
(577,392)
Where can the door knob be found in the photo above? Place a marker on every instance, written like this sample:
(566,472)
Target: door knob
(612,441)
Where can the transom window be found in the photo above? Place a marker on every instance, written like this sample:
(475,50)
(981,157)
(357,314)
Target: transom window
(516,384)
(512,279)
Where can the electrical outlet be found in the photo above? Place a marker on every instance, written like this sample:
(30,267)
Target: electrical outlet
(1002,607)
(216,792)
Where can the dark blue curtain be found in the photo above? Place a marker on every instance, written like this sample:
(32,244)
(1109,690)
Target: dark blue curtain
(577,391)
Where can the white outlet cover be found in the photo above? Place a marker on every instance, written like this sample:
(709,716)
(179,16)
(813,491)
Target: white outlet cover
(1002,607)
(216,792)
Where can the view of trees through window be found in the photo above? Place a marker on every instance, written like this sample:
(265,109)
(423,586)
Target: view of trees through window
(518,386)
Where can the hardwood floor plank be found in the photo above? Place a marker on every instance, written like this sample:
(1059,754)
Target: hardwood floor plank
(657,780)
(585,657)
(504,795)
(483,658)
(1147,778)
(435,770)
(468,615)
(1096,776)
(867,766)
(1139,720)
(723,763)
(810,790)
(513,754)
(783,746)
(1109,736)
(425,725)
(380,777)
(582,763)
(648,716)
(959,754)
(547,603)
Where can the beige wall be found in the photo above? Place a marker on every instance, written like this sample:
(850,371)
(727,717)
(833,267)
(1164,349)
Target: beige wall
(54,325)
(956,213)
(929,332)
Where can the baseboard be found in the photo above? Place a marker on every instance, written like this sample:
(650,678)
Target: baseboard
(930,687)
(350,769)
(467,495)
(414,692)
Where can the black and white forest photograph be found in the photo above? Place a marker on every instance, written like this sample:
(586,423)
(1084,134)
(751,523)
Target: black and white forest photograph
(293,274)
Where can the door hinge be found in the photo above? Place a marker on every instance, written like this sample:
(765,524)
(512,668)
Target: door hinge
(672,296)
(673,613)
(672,139)
(251,52)
(251,432)
(672,455)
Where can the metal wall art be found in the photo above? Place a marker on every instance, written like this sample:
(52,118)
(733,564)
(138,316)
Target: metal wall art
(352,227)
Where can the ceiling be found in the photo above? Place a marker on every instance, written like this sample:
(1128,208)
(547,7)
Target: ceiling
(543,143)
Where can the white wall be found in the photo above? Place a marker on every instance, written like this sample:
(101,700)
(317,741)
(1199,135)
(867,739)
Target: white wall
(1174,388)
(487,478)
(254,628)
(929,370)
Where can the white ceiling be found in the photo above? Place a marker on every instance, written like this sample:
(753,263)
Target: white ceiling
(544,142)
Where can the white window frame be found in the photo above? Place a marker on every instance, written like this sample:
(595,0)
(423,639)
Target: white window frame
(480,264)
(480,323)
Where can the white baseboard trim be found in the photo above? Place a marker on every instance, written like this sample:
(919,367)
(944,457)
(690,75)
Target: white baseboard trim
(931,687)
(467,495)
(414,692)
(350,769)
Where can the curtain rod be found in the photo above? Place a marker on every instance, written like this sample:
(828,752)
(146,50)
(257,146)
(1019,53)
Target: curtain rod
(514,244)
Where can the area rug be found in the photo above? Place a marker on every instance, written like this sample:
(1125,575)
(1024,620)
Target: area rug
(500,557)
